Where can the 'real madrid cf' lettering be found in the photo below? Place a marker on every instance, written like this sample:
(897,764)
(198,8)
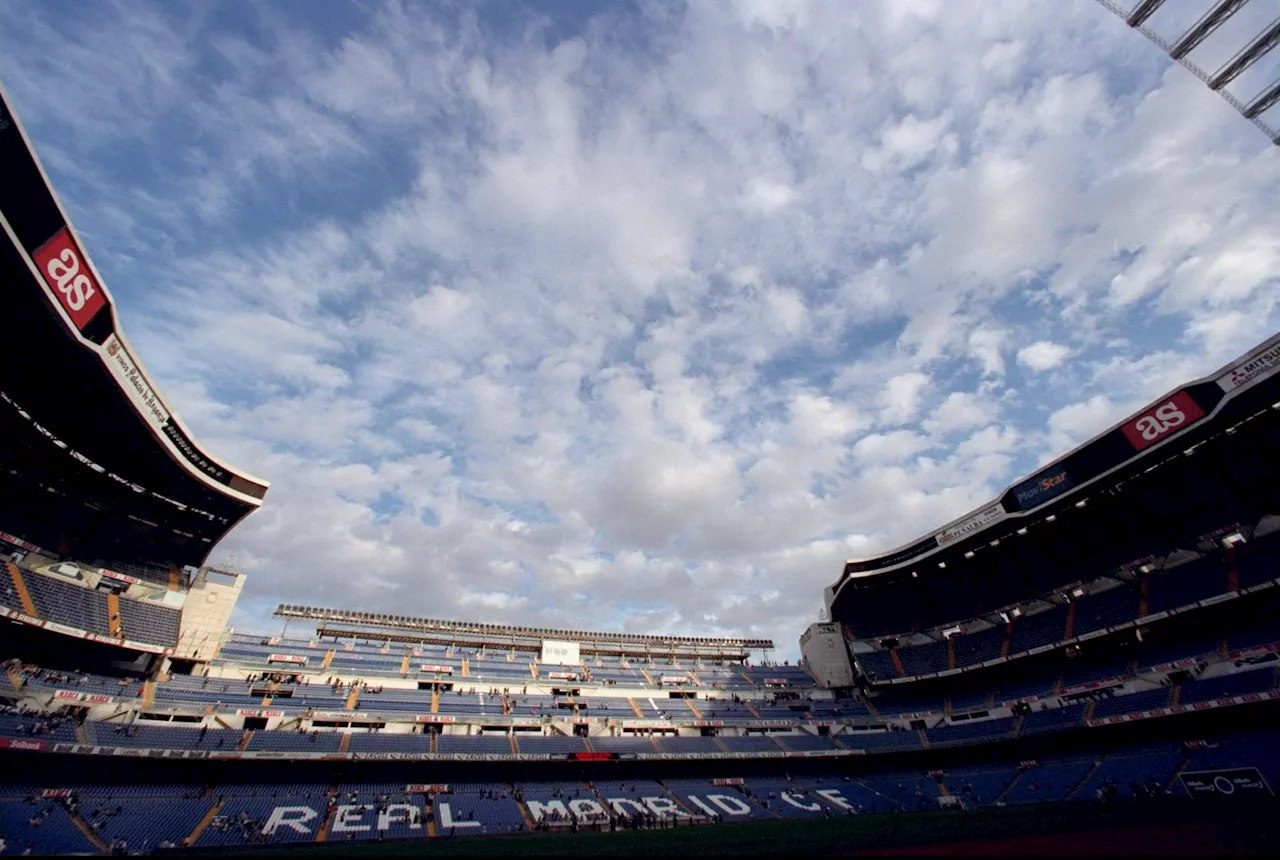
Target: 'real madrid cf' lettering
(64,269)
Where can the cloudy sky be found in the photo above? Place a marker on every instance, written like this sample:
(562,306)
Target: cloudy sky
(641,315)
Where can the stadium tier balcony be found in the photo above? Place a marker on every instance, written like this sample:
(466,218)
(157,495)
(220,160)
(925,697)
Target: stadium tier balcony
(1157,765)
(904,792)
(979,700)
(82,682)
(970,732)
(1042,628)
(480,811)
(379,742)
(880,741)
(54,728)
(249,820)
(1260,749)
(623,745)
(980,786)
(162,737)
(1098,611)
(1131,703)
(725,803)
(530,743)
(923,659)
(292,741)
(1038,687)
(143,622)
(1080,671)
(974,648)
(1049,782)
(688,745)
(1187,584)
(750,744)
(1160,653)
(1239,684)
(903,703)
(68,604)
(146,822)
(44,827)
(487,743)
(806,743)
(1258,562)
(147,815)
(1053,719)
(877,665)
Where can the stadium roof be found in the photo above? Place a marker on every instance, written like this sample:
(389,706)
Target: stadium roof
(76,394)
(502,633)
(1116,462)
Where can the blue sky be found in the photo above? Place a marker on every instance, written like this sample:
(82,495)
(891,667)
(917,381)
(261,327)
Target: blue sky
(640,315)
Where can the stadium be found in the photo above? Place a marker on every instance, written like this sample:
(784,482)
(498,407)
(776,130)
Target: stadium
(1087,663)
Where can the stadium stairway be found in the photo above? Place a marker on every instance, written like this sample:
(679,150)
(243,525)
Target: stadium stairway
(1071,621)
(635,707)
(1084,780)
(328,658)
(404,664)
(244,740)
(175,578)
(897,663)
(82,734)
(511,739)
(15,679)
(435,700)
(352,698)
(20,585)
(113,614)
(148,694)
(89,832)
(524,810)
(752,708)
(696,680)
(344,742)
(322,832)
(696,712)
(199,829)
(647,677)
(533,670)
(466,668)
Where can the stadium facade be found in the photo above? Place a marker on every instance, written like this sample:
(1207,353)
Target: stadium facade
(1100,638)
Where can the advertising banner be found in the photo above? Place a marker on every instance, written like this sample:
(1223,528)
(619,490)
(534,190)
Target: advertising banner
(20,543)
(63,267)
(560,653)
(1047,485)
(1251,370)
(1162,420)
(975,523)
(1243,782)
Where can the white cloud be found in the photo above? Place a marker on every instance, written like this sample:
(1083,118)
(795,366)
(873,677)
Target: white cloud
(901,397)
(1043,355)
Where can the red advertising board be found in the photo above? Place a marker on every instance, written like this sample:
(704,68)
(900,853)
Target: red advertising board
(65,270)
(1162,420)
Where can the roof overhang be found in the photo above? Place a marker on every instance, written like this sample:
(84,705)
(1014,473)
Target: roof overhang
(1156,432)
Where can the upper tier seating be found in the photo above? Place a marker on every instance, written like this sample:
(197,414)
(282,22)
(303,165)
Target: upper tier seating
(146,622)
(68,604)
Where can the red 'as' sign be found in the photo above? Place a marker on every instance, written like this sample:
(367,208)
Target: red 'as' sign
(1161,420)
(64,269)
